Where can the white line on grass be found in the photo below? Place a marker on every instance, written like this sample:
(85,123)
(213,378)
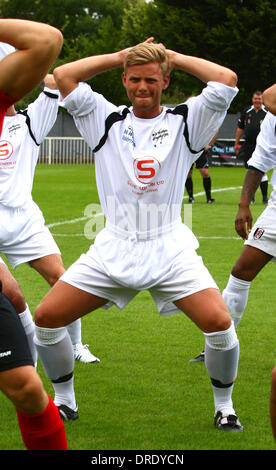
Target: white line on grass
(220,238)
(219,190)
(68,234)
(63,222)
(99,214)
(79,219)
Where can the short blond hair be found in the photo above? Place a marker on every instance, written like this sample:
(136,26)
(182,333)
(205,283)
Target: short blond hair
(144,53)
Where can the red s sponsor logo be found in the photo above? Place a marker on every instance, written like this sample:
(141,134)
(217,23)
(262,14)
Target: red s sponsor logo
(145,169)
(6,149)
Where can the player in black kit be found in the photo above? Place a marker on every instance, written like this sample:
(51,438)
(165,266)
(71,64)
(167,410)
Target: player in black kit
(249,127)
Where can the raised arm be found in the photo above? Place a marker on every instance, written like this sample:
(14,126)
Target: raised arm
(203,69)
(269,98)
(69,75)
(37,45)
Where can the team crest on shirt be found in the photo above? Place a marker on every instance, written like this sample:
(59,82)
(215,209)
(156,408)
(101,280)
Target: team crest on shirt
(258,233)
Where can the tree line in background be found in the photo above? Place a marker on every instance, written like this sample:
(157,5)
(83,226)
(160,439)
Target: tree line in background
(240,34)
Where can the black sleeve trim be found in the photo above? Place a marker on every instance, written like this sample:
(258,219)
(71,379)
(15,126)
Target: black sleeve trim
(110,120)
(182,110)
(28,122)
(51,95)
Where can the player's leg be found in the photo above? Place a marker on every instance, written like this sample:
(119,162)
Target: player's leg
(64,304)
(23,387)
(38,418)
(264,188)
(250,263)
(207,184)
(246,268)
(208,311)
(190,186)
(12,290)
(37,44)
(202,166)
(248,149)
(51,267)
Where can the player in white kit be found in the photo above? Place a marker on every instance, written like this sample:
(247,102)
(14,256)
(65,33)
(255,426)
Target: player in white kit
(38,418)
(24,238)
(142,157)
(260,239)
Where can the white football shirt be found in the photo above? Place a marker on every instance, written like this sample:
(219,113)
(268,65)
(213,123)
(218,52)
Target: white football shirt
(19,147)
(264,155)
(142,164)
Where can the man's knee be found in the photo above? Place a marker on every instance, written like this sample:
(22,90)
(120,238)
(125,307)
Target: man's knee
(14,294)
(54,277)
(42,317)
(218,322)
(25,391)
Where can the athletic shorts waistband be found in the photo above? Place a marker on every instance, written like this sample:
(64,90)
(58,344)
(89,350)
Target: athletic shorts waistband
(146,235)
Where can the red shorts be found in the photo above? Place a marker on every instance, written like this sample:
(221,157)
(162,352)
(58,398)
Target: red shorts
(5,103)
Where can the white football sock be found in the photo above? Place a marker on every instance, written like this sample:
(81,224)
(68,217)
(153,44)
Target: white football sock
(56,354)
(74,330)
(29,327)
(223,399)
(264,178)
(221,361)
(64,393)
(235,296)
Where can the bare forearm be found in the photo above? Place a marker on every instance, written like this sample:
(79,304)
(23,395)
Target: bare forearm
(203,69)
(37,46)
(24,34)
(239,133)
(69,75)
(251,182)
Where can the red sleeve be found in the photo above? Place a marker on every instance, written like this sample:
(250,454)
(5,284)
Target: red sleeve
(5,103)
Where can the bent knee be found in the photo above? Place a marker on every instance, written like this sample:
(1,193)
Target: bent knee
(14,294)
(45,317)
(41,316)
(54,278)
(219,322)
(26,392)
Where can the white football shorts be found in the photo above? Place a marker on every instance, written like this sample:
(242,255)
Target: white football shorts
(117,267)
(23,234)
(263,232)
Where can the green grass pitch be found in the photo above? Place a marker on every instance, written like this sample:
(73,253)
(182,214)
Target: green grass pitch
(145,395)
